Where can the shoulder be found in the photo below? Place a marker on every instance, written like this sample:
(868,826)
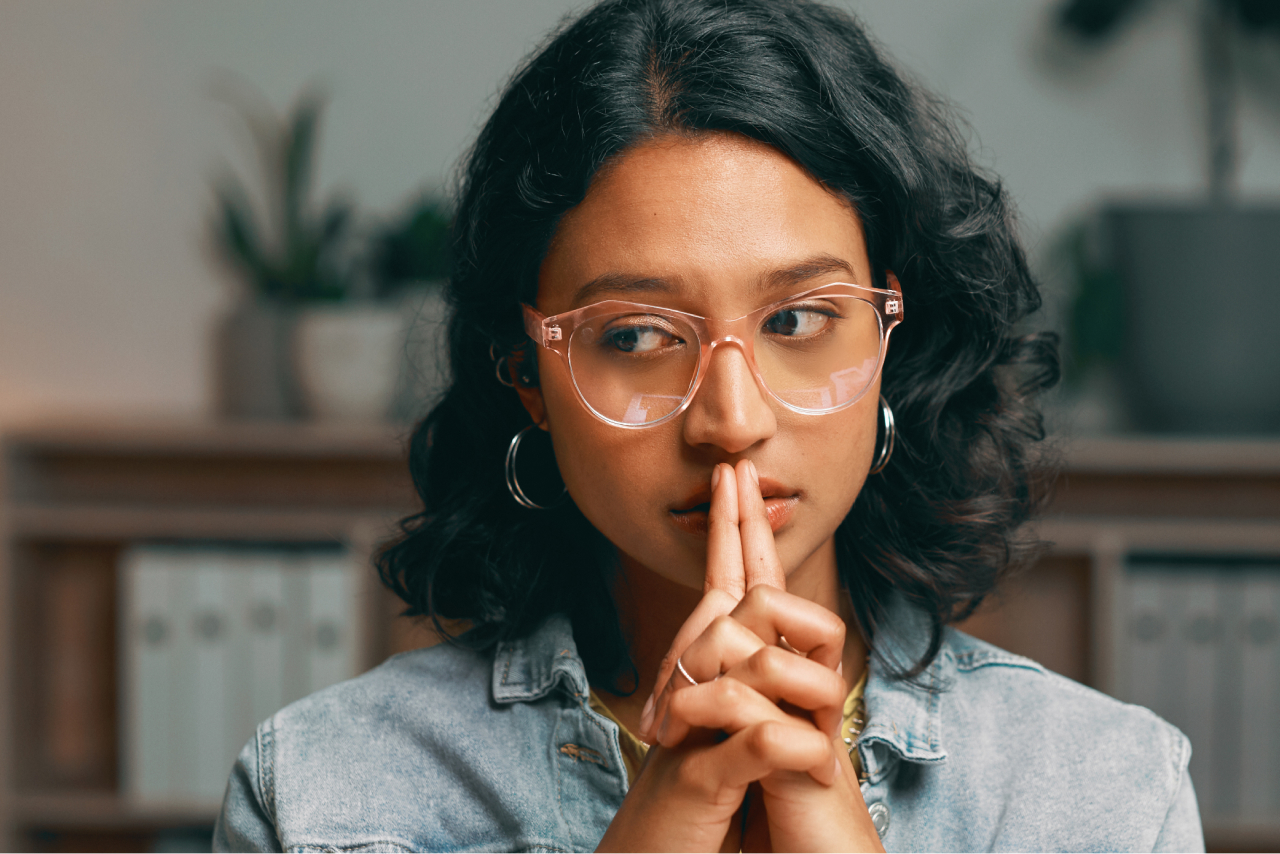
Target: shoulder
(996,752)
(420,687)
(414,711)
(997,691)
(1057,764)
(308,777)
(444,748)
(373,763)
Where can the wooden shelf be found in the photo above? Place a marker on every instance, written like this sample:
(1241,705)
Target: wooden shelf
(73,495)
(1088,536)
(1173,456)
(272,439)
(93,522)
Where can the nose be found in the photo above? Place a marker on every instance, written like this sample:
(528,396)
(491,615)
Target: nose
(729,411)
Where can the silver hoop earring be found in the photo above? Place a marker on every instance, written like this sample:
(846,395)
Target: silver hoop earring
(513,482)
(499,368)
(886,448)
(499,364)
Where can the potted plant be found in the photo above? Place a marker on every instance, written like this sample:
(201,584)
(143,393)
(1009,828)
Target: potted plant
(1181,295)
(299,343)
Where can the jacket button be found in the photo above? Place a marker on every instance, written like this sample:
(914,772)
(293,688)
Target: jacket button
(879,817)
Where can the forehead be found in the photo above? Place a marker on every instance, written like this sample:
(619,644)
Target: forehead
(702,223)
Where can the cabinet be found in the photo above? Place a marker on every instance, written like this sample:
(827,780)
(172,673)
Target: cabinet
(73,496)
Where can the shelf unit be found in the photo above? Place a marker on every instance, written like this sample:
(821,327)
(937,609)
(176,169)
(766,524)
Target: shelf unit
(73,495)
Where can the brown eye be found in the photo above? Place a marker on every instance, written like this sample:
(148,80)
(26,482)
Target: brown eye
(797,322)
(638,339)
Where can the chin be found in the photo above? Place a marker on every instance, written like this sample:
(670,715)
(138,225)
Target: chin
(682,571)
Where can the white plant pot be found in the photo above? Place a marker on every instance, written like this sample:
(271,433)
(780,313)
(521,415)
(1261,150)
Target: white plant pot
(348,360)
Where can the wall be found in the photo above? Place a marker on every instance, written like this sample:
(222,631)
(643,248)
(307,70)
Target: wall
(109,135)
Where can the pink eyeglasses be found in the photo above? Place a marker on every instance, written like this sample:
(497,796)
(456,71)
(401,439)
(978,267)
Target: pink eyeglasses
(637,365)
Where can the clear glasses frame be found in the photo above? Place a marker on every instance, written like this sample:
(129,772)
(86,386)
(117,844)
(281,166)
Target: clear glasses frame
(556,332)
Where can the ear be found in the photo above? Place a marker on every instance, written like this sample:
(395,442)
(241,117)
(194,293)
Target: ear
(530,395)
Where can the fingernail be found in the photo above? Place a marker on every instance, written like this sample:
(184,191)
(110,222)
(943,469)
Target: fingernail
(715,477)
(755,475)
(839,770)
(840,669)
(646,717)
(662,730)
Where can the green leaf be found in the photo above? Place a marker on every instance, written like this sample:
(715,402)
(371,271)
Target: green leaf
(336,220)
(305,262)
(298,156)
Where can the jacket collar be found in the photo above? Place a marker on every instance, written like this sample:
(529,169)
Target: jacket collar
(529,668)
(903,719)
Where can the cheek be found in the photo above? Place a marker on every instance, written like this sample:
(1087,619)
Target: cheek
(609,471)
(834,454)
(857,438)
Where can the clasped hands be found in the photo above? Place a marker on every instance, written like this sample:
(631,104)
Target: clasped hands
(766,708)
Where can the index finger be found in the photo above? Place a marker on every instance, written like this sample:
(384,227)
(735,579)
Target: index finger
(724,543)
(724,582)
(759,553)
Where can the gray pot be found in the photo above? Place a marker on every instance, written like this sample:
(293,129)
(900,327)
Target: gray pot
(1202,302)
(254,366)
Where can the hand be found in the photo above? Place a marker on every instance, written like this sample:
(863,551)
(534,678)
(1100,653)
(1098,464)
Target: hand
(686,798)
(695,778)
(785,710)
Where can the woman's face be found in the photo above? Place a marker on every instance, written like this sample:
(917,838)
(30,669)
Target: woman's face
(716,225)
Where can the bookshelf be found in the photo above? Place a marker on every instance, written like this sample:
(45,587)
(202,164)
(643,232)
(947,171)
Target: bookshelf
(73,496)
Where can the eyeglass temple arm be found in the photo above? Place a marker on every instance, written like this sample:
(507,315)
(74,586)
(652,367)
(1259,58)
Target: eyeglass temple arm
(536,327)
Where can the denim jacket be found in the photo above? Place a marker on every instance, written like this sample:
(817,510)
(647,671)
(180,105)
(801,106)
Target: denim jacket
(447,749)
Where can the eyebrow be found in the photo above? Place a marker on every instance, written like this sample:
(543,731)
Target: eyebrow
(622,284)
(810,268)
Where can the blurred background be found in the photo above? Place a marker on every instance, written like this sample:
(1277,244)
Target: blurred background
(221,242)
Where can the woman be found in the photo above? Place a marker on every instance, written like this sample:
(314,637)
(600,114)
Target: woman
(705,519)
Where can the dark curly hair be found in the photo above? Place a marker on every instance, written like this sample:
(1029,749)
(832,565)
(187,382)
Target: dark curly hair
(941,524)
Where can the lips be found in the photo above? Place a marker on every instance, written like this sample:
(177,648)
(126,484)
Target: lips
(780,502)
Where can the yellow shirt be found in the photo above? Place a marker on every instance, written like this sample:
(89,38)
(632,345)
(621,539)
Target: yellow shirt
(634,750)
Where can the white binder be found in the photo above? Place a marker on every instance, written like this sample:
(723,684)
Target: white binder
(148,646)
(331,624)
(1260,697)
(208,718)
(296,618)
(213,642)
(263,616)
(1147,645)
(1199,640)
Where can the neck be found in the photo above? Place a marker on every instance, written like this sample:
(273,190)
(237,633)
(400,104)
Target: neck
(652,608)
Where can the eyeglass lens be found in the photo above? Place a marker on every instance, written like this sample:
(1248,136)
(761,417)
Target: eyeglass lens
(636,367)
